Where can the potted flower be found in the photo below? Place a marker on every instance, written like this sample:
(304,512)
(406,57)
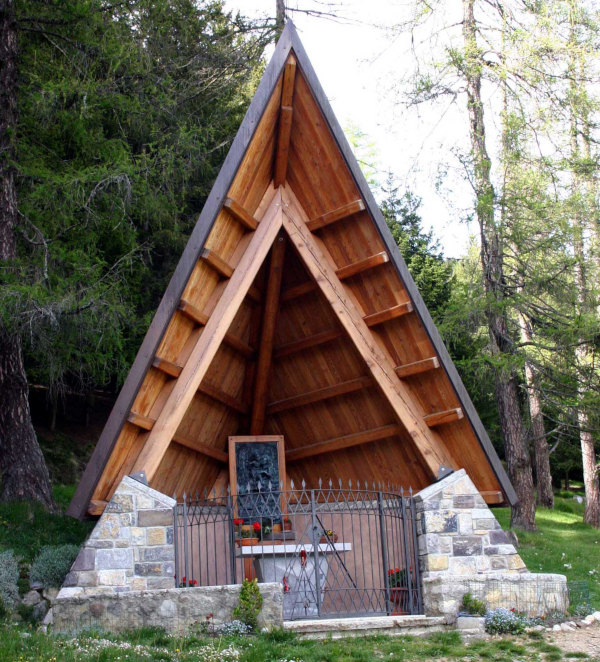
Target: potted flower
(328,536)
(287,523)
(397,581)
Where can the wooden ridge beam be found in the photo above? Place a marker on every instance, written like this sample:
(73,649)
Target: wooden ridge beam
(336,215)
(306,343)
(144,422)
(360,266)
(284,130)
(319,394)
(240,214)
(417,367)
(199,447)
(388,314)
(338,443)
(399,396)
(441,417)
(210,339)
(267,336)
(196,315)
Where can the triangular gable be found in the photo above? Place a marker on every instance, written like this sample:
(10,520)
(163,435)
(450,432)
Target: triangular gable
(223,354)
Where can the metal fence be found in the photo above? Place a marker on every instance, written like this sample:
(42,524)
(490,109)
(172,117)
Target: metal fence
(338,552)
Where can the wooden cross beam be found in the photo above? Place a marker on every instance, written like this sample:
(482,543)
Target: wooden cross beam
(380,366)
(209,340)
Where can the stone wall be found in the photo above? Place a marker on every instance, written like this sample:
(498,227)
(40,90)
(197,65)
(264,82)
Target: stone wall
(175,610)
(463,549)
(131,547)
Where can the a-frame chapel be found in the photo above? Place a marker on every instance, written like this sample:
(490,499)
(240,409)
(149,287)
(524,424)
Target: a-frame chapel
(291,316)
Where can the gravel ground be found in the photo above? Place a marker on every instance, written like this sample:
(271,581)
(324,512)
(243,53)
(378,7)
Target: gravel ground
(583,640)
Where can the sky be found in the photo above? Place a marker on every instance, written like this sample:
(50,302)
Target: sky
(360,65)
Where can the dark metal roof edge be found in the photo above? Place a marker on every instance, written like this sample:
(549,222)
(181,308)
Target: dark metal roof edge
(169,302)
(400,264)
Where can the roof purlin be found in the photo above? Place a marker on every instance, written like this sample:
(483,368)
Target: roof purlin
(399,263)
(181,275)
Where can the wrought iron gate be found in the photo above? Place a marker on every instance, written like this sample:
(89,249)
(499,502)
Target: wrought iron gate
(338,552)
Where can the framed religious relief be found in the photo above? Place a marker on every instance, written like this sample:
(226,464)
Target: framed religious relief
(253,461)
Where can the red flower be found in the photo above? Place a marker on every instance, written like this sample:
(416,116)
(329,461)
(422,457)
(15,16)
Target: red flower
(397,569)
(390,572)
(183,579)
(286,519)
(194,582)
(256,526)
(209,616)
(237,522)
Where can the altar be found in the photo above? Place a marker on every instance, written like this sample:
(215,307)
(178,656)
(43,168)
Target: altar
(295,566)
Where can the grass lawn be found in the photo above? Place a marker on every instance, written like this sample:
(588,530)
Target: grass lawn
(20,645)
(562,544)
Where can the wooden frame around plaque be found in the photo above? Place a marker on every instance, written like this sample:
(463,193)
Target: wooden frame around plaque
(272,438)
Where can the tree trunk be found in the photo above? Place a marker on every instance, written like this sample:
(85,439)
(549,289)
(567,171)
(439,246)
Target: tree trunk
(23,472)
(279,17)
(507,396)
(545,493)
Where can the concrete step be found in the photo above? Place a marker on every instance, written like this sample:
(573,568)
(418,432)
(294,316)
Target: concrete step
(335,628)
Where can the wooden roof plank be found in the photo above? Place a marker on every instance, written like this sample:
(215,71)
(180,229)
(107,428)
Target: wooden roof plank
(209,341)
(398,395)
(199,447)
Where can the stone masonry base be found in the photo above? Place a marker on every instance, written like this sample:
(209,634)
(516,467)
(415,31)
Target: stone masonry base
(175,610)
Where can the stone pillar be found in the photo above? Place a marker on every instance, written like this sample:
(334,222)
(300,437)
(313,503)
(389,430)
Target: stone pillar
(463,549)
(131,546)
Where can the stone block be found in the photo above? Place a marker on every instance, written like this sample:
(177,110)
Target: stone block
(440,522)
(127,519)
(137,535)
(71,579)
(485,524)
(499,563)
(144,502)
(169,531)
(108,527)
(435,562)
(111,577)
(122,543)
(139,584)
(31,598)
(157,535)
(516,563)
(445,543)
(85,559)
(429,544)
(465,524)
(466,546)
(99,544)
(165,553)
(121,503)
(160,582)
(113,559)
(464,501)
(155,517)
(87,578)
(148,569)
(499,537)
(473,623)
(462,565)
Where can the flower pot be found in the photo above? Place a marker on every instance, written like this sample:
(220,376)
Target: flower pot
(399,600)
(287,526)
(277,528)
(246,542)
(332,538)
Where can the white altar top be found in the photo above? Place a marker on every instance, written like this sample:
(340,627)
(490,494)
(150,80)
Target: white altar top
(292,549)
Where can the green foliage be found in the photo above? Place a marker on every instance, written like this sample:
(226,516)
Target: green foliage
(27,527)
(9,575)
(249,604)
(431,273)
(473,606)
(26,613)
(3,610)
(52,564)
(126,111)
(504,621)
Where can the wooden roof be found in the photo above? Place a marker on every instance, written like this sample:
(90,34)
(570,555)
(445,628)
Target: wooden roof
(291,312)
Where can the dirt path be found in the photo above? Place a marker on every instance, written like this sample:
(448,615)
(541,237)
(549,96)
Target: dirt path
(583,640)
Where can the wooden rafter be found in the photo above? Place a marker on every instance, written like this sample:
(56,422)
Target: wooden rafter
(196,315)
(286,113)
(265,350)
(388,314)
(397,393)
(217,263)
(336,215)
(144,422)
(241,214)
(338,443)
(199,447)
(417,367)
(363,265)
(209,341)
(306,343)
(319,394)
(441,417)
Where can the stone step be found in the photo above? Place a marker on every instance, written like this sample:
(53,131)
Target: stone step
(336,628)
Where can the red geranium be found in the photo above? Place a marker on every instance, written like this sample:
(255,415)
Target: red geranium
(256,526)
(237,522)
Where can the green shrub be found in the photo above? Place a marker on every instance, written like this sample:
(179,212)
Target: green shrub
(26,612)
(9,576)
(52,564)
(505,621)
(473,606)
(249,604)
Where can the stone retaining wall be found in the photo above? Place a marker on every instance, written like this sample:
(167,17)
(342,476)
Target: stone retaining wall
(463,549)
(131,546)
(175,610)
